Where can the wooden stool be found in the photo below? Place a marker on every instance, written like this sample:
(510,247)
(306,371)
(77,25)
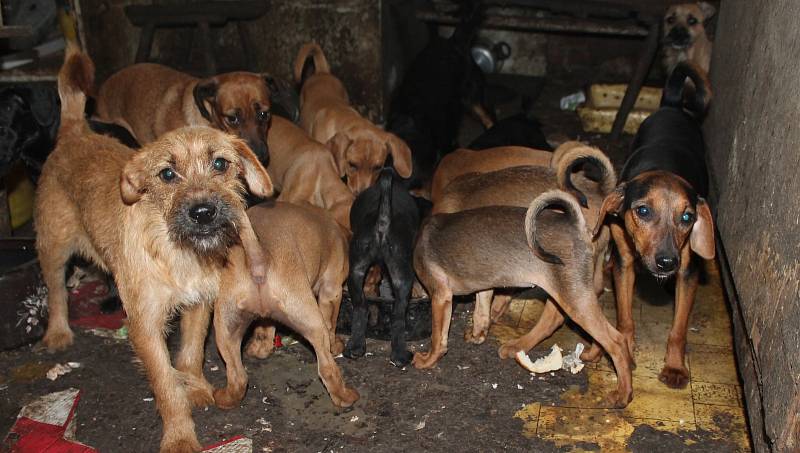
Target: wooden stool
(199,15)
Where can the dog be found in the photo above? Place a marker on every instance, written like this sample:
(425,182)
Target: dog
(358,146)
(303,170)
(470,251)
(658,214)
(29,121)
(685,37)
(464,161)
(308,263)
(150,99)
(521,129)
(162,221)
(385,220)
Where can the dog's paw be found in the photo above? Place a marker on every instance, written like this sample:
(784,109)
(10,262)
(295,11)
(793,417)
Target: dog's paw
(401,358)
(228,397)
(676,378)
(617,400)
(355,350)
(345,396)
(470,337)
(337,346)
(57,340)
(592,354)
(260,347)
(181,446)
(423,360)
(508,350)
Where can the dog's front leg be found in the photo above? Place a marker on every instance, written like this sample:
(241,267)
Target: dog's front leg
(674,374)
(194,328)
(624,278)
(550,320)
(481,318)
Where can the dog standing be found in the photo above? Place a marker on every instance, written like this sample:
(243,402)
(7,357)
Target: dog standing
(358,146)
(660,216)
(685,37)
(162,221)
(150,99)
(385,220)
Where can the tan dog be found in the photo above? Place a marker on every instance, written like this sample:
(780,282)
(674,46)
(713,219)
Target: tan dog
(162,220)
(463,161)
(151,99)
(359,147)
(685,37)
(304,171)
(470,251)
(308,263)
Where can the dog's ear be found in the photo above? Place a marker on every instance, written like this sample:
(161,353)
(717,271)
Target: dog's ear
(707,9)
(257,178)
(272,84)
(204,93)
(400,153)
(338,145)
(701,238)
(132,184)
(612,204)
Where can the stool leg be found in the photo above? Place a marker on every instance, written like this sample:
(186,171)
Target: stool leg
(645,60)
(145,43)
(205,46)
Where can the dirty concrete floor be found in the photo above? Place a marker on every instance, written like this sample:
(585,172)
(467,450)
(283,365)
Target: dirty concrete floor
(471,400)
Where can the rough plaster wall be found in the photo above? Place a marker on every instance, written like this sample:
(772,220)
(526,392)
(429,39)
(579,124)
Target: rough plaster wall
(753,137)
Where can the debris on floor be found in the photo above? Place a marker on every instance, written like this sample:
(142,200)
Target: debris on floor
(238,444)
(550,362)
(60,369)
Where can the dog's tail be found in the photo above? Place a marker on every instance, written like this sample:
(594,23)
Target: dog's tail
(385,204)
(675,89)
(558,199)
(571,156)
(75,79)
(472,14)
(302,65)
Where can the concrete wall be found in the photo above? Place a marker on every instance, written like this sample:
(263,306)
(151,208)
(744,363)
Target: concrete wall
(753,137)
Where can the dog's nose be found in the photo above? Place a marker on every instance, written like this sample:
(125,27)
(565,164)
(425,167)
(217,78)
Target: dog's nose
(666,263)
(203,213)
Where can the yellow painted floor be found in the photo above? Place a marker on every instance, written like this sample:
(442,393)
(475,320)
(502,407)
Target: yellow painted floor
(712,402)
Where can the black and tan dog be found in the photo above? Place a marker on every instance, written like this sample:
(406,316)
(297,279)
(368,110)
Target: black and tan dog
(661,217)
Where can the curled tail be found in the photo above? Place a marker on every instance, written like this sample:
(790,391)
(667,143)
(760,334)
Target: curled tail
(313,50)
(385,204)
(575,157)
(674,89)
(75,79)
(553,198)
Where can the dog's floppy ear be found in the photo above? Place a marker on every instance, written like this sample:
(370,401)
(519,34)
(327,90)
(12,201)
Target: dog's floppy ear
(611,204)
(132,184)
(707,9)
(338,145)
(400,153)
(204,93)
(701,238)
(257,178)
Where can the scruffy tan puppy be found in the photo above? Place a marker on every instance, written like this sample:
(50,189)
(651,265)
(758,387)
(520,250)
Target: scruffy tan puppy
(151,99)
(161,220)
(359,147)
(685,37)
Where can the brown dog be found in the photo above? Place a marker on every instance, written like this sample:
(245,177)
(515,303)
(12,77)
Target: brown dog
(308,263)
(685,37)
(359,147)
(483,248)
(304,171)
(151,99)
(463,161)
(162,221)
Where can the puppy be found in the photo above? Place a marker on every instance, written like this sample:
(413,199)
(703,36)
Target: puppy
(308,263)
(470,251)
(658,213)
(685,37)
(304,171)
(522,129)
(161,220)
(358,146)
(151,99)
(385,221)
(464,161)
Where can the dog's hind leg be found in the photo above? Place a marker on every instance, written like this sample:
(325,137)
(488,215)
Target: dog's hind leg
(402,278)
(194,329)
(550,320)
(230,324)
(500,305)
(330,300)
(442,310)
(481,318)
(357,344)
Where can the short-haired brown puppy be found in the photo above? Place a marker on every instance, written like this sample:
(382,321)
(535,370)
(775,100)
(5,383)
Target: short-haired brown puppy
(161,220)
(359,146)
(660,215)
(308,263)
(502,246)
(150,99)
(685,37)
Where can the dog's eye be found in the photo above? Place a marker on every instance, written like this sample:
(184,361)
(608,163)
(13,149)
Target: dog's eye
(353,167)
(671,20)
(692,21)
(263,116)
(220,164)
(233,120)
(687,217)
(643,212)
(167,174)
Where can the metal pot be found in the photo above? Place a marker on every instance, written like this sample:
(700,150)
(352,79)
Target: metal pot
(490,57)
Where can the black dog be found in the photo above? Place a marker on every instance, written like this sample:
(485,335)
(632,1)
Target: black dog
(440,85)
(29,121)
(384,219)
(522,129)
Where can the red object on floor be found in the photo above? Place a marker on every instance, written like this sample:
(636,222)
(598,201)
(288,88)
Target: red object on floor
(31,436)
(277,341)
(84,307)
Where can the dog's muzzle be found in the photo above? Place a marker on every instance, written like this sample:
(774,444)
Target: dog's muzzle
(678,38)
(206,226)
